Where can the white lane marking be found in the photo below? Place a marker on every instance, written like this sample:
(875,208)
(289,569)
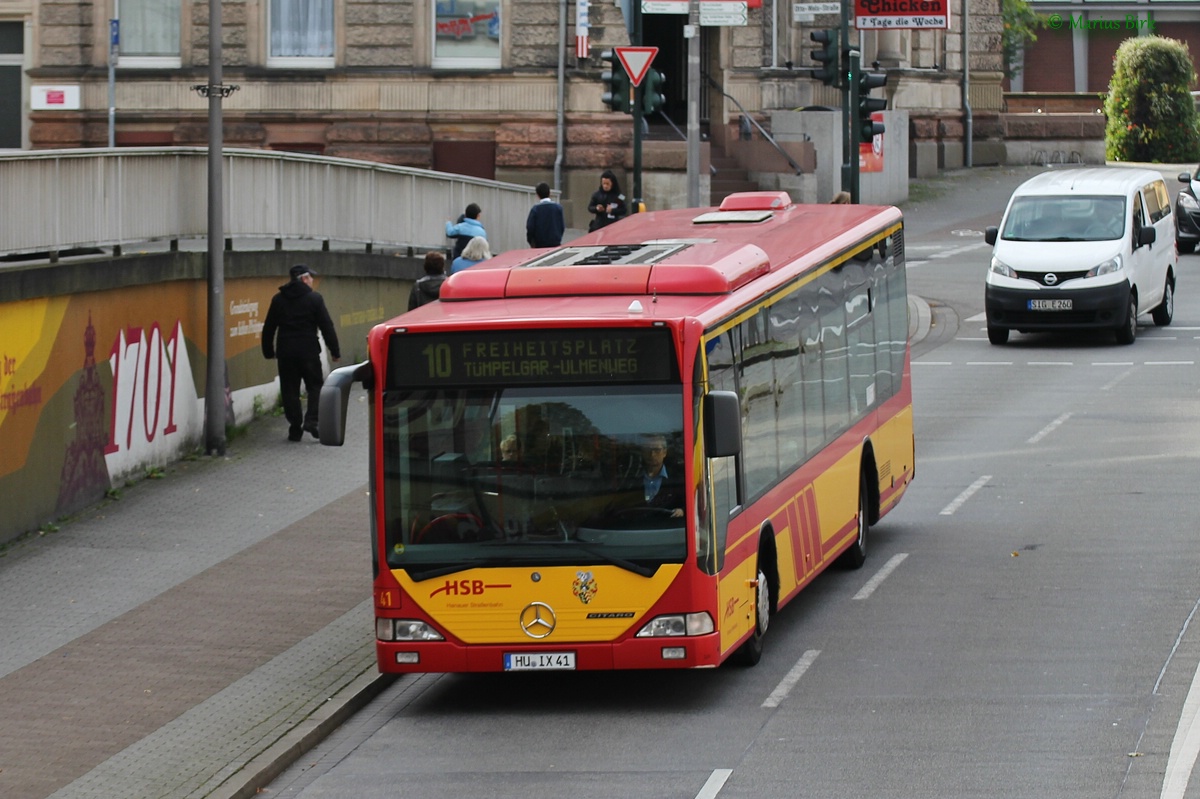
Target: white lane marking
(975,245)
(1170,363)
(979,317)
(880,576)
(1185,746)
(989,363)
(716,781)
(965,495)
(1112,383)
(791,678)
(1048,429)
(1051,363)
(910,264)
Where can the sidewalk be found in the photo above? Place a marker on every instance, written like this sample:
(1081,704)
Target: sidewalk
(194,635)
(197,635)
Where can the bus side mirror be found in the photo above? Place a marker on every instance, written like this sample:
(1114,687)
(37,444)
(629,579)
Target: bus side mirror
(990,234)
(722,424)
(335,398)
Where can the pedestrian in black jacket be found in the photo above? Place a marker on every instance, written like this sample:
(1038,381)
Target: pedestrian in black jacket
(429,288)
(544,226)
(296,314)
(607,203)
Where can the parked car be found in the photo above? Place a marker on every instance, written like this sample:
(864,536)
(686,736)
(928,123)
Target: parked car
(1187,212)
(1082,248)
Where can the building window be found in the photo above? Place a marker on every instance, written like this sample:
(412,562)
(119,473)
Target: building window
(301,33)
(149,33)
(466,34)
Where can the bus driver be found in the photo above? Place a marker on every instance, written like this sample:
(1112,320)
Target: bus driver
(658,488)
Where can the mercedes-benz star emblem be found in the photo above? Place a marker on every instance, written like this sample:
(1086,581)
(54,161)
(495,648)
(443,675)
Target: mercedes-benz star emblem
(1051,278)
(538,620)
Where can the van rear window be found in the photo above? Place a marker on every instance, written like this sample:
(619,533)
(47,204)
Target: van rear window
(1065,218)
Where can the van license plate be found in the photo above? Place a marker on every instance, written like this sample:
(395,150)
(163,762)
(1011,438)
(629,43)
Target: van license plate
(539,661)
(1049,305)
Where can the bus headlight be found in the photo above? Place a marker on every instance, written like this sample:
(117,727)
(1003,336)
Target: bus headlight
(1111,265)
(677,624)
(405,630)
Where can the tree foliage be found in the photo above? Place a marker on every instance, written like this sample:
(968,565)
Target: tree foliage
(1150,112)
(1020,28)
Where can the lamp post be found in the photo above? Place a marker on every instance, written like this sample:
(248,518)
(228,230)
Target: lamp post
(214,388)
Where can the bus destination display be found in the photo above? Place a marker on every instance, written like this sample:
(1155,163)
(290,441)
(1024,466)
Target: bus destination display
(528,357)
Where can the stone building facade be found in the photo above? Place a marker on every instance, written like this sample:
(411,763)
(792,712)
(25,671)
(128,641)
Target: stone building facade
(491,88)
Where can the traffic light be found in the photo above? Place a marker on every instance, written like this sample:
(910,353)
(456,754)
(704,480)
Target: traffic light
(867,105)
(828,56)
(652,96)
(617,94)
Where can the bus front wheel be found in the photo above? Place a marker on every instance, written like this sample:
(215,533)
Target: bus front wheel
(750,652)
(856,555)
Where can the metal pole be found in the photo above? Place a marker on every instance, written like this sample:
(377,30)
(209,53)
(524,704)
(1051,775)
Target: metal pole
(968,123)
(855,72)
(214,390)
(114,40)
(638,92)
(849,151)
(691,32)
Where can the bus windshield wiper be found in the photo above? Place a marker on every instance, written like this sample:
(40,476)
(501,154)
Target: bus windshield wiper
(627,565)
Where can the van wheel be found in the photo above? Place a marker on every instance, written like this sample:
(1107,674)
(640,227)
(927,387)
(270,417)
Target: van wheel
(998,335)
(1162,314)
(1127,332)
(749,653)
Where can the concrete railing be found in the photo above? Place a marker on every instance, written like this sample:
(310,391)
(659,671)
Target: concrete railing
(58,200)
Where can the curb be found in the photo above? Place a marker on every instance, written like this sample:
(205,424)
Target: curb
(264,767)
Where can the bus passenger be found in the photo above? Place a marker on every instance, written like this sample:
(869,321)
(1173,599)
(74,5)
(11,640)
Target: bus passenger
(510,449)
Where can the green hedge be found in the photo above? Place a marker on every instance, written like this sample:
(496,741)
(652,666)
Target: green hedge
(1150,112)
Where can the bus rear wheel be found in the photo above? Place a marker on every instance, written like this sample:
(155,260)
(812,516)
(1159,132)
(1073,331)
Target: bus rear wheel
(749,653)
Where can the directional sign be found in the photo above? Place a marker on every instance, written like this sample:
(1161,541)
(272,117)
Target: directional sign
(636,61)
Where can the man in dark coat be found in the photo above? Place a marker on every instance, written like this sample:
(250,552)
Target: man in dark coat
(545,225)
(296,314)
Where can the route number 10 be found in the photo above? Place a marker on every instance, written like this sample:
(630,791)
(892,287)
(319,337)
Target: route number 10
(438,356)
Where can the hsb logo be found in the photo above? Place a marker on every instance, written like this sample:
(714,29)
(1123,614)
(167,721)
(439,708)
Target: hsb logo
(460,588)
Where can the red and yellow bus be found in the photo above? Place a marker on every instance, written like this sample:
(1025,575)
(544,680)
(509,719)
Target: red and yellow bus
(758,352)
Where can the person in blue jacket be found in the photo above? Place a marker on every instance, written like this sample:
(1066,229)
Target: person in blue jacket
(467,228)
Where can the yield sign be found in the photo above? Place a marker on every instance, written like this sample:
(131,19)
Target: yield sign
(636,61)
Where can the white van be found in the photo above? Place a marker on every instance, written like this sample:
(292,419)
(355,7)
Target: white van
(1083,248)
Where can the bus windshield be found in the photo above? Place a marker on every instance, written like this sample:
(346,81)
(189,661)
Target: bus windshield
(533,475)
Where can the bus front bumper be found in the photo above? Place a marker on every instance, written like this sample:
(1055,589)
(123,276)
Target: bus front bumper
(405,657)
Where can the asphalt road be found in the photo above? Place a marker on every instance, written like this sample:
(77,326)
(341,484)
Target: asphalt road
(1023,626)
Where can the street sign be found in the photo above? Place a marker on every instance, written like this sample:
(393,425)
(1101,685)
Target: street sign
(664,6)
(723,12)
(636,61)
(808,12)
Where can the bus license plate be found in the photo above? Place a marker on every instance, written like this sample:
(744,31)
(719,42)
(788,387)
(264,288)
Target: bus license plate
(539,661)
(1049,305)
